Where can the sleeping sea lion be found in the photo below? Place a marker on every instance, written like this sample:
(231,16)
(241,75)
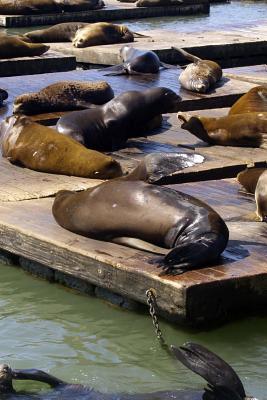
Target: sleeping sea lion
(137,61)
(64,32)
(199,76)
(42,149)
(28,7)
(14,47)
(158,3)
(103,33)
(246,130)
(64,96)
(3,95)
(192,231)
(254,100)
(109,126)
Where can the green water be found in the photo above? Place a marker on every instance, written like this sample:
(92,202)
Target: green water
(83,339)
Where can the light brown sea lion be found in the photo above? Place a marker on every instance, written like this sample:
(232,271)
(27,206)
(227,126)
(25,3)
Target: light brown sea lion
(254,100)
(195,234)
(103,33)
(64,96)
(199,76)
(42,149)
(64,32)
(158,3)
(28,7)
(249,178)
(247,130)
(14,47)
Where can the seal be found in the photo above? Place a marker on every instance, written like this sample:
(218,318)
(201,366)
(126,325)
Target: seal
(14,47)
(3,95)
(64,32)
(192,231)
(64,96)
(254,100)
(244,130)
(136,62)
(199,76)
(28,7)
(108,127)
(40,148)
(103,33)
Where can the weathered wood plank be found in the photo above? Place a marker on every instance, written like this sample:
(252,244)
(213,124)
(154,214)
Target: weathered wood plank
(256,74)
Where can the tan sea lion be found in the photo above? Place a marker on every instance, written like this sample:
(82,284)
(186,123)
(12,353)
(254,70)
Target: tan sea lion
(28,7)
(192,231)
(14,47)
(103,33)
(64,96)
(199,76)
(248,130)
(249,178)
(254,100)
(158,3)
(42,149)
(64,32)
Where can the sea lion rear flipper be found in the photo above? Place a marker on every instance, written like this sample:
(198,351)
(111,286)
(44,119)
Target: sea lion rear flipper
(139,35)
(118,69)
(187,55)
(36,375)
(140,245)
(167,66)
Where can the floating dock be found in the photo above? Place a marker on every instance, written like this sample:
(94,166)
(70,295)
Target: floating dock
(114,10)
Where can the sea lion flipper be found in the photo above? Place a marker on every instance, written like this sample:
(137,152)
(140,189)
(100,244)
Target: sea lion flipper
(168,66)
(36,375)
(140,245)
(140,35)
(220,392)
(117,69)
(187,55)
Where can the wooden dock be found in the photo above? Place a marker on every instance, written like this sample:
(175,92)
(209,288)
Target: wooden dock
(234,47)
(114,10)
(52,61)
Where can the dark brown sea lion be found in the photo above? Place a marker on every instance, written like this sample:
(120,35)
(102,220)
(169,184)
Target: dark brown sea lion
(199,76)
(42,149)
(109,126)
(195,234)
(103,33)
(3,95)
(137,61)
(14,47)
(247,130)
(254,100)
(28,7)
(64,96)
(64,32)
(158,3)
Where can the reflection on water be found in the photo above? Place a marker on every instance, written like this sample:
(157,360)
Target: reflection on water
(82,339)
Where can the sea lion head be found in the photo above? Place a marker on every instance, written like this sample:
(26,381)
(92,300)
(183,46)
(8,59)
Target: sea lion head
(10,129)
(166,98)
(5,379)
(26,103)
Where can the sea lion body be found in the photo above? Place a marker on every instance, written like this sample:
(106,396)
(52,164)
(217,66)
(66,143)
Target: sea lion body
(261,197)
(255,100)
(248,130)
(63,96)
(14,47)
(109,126)
(249,178)
(42,149)
(194,233)
(28,7)
(64,32)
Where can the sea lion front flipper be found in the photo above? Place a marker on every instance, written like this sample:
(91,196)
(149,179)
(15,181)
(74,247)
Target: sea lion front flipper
(36,375)
(168,66)
(140,245)
(118,69)
(187,55)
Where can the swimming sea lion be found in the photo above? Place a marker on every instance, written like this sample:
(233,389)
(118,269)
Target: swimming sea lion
(254,100)
(64,32)
(246,130)
(103,33)
(109,126)
(63,96)
(192,231)
(3,95)
(199,76)
(42,149)
(28,7)
(137,61)
(14,47)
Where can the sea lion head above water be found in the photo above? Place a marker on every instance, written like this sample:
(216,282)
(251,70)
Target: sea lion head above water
(6,379)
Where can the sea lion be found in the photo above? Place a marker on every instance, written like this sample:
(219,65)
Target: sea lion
(42,149)
(14,47)
(192,231)
(244,130)
(64,32)
(64,96)
(109,126)
(103,33)
(254,100)
(3,95)
(137,61)
(249,178)
(199,76)
(158,3)
(28,7)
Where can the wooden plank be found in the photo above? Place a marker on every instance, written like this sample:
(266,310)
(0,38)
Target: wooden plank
(255,74)
(228,47)
(114,10)
(52,61)
(237,284)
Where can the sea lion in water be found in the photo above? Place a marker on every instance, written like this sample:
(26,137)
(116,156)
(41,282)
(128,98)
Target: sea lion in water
(192,231)
(254,100)
(247,130)
(64,32)
(14,47)
(199,76)
(137,61)
(3,95)
(109,126)
(28,7)
(42,149)
(64,96)
(103,33)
